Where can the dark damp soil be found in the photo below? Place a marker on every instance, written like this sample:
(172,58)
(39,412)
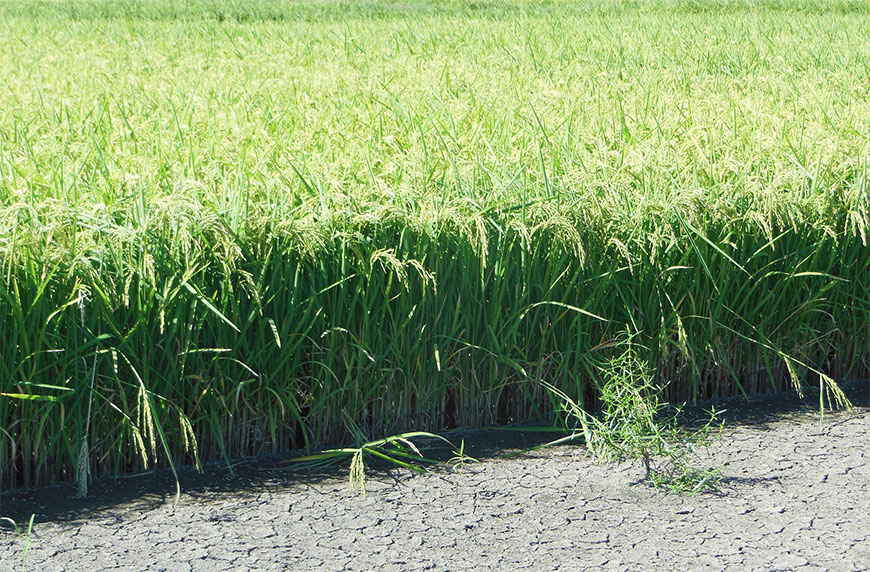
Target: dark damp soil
(795,496)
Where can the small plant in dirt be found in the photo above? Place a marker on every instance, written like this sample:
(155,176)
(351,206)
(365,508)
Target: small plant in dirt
(634,424)
(460,458)
(24,536)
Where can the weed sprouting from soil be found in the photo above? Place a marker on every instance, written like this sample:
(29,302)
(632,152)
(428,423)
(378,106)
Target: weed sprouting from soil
(633,424)
(23,535)
(459,459)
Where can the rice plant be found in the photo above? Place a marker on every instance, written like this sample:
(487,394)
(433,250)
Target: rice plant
(230,228)
(397,450)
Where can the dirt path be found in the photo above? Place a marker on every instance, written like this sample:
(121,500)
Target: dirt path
(796,497)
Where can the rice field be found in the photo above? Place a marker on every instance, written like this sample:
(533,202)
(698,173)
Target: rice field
(232,228)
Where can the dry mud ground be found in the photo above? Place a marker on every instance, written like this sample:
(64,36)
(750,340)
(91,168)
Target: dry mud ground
(796,496)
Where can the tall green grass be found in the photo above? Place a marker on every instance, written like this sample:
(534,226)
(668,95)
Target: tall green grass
(222,236)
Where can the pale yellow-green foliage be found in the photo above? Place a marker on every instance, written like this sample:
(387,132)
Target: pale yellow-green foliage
(617,117)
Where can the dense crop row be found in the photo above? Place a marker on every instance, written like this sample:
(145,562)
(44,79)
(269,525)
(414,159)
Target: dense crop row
(251,234)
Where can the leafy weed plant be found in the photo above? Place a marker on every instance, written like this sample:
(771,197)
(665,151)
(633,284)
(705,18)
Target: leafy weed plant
(634,424)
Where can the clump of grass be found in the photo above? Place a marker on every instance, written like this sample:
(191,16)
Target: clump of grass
(632,425)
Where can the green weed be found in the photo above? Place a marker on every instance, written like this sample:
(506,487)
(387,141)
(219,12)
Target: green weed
(460,458)
(632,425)
(24,536)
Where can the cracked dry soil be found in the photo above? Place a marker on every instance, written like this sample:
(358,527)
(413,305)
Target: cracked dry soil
(796,496)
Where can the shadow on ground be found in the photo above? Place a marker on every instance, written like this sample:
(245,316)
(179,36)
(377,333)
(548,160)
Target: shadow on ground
(250,477)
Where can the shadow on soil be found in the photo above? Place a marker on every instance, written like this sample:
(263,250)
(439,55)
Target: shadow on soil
(249,477)
(764,409)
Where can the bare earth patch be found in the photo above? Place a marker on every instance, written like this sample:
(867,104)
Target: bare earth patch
(796,496)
